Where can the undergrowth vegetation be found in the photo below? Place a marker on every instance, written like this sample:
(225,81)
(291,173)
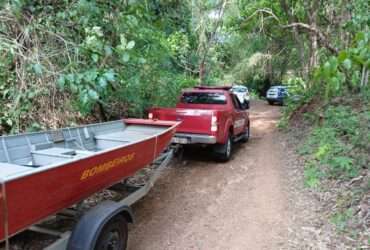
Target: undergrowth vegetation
(334,137)
(335,145)
(63,62)
(338,147)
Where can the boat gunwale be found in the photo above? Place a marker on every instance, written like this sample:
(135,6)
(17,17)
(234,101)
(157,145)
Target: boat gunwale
(15,176)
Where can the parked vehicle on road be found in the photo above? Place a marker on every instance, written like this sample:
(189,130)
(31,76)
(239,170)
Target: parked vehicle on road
(277,94)
(242,93)
(210,116)
(47,173)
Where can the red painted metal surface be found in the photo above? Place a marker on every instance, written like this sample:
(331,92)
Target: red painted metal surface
(196,118)
(34,197)
(195,121)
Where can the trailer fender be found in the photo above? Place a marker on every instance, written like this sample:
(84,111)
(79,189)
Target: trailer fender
(88,228)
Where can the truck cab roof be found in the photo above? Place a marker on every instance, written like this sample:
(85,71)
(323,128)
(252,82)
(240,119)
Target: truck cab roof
(208,89)
(213,87)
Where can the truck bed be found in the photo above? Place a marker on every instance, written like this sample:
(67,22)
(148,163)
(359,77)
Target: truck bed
(194,121)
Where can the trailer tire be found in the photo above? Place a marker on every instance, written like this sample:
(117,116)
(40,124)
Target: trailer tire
(113,235)
(89,232)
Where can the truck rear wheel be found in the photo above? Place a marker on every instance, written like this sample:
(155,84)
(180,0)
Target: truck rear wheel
(246,134)
(223,151)
(113,236)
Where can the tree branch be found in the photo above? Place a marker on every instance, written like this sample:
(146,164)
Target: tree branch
(322,37)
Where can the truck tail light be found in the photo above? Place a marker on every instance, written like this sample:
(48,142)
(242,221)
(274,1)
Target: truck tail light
(214,123)
(150,115)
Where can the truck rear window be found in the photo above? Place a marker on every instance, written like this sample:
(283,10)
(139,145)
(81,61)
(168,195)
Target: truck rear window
(203,98)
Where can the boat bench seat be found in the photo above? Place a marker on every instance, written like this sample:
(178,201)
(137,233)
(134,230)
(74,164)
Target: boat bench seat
(8,169)
(51,155)
(110,140)
(123,136)
(55,154)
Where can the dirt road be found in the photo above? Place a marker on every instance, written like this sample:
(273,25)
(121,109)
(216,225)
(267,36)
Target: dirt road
(241,204)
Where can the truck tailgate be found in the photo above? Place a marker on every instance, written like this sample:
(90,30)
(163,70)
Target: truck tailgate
(196,121)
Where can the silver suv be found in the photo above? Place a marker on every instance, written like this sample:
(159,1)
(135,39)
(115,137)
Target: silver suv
(276,94)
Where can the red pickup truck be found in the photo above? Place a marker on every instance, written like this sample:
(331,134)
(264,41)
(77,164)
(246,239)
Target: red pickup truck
(209,115)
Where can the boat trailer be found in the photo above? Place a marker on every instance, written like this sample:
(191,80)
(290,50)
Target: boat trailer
(106,223)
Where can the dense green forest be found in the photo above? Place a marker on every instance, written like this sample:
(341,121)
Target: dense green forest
(64,62)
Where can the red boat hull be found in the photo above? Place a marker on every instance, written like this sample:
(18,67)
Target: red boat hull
(34,197)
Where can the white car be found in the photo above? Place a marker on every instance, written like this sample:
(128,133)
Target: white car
(242,93)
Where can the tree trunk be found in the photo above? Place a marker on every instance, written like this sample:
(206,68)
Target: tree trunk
(102,114)
(300,46)
(205,45)
(270,70)
(201,73)
(312,18)
(313,51)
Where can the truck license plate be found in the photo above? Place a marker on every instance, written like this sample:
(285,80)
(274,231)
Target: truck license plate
(180,140)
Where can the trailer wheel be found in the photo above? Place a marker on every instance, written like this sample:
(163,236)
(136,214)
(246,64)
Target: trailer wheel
(113,235)
(103,227)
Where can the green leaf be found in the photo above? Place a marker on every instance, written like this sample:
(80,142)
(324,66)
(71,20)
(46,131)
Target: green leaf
(61,82)
(93,94)
(130,45)
(359,36)
(108,50)
(102,82)
(347,63)
(84,97)
(9,122)
(95,57)
(74,88)
(109,76)
(333,63)
(37,68)
(123,39)
(31,94)
(125,57)
(70,78)
(343,55)
(359,60)
(91,75)
(327,69)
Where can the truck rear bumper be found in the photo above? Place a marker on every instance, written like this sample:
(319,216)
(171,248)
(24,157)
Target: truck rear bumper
(183,138)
